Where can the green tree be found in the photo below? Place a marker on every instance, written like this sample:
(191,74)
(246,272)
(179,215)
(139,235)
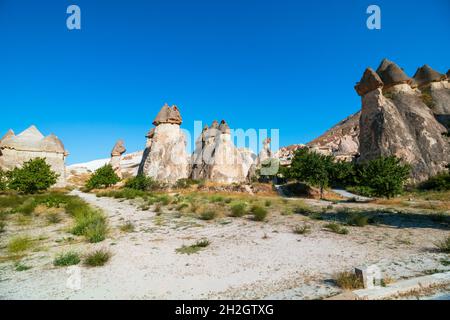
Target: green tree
(141,182)
(343,174)
(312,168)
(386,176)
(35,175)
(103,177)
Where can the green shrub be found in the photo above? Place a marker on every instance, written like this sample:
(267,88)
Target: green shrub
(336,228)
(357,219)
(34,176)
(208,215)
(19,244)
(259,213)
(216,198)
(163,199)
(440,182)
(67,259)
(238,209)
(19,266)
(96,232)
(142,183)
(53,218)
(267,203)
(199,245)
(385,175)
(103,177)
(97,258)
(361,190)
(27,207)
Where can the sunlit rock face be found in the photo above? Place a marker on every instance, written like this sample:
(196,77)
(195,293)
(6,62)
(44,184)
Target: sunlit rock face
(396,121)
(116,156)
(31,144)
(217,159)
(165,158)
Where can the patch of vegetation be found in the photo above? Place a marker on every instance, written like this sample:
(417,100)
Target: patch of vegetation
(35,175)
(3,180)
(181,206)
(208,215)
(19,244)
(196,247)
(348,281)
(97,258)
(238,209)
(302,209)
(259,213)
(186,183)
(216,198)
(302,229)
(444,245)
(103,177)
(67,259)
(267,203)
(357,219)
(2,226)
(53,218)
(127,227)
(19,266)
(142,183)
(440,182)
(426,97)
(336,228)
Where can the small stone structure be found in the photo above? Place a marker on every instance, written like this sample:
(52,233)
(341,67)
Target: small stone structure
(116,155)
(31,144)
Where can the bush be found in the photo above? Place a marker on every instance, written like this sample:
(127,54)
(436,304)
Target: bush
(27,207)
(357,219)
(361,190)
(440,182)
(2,226)
(238,209)
(199,245)
(103,177)
(208,215)
(385,175)
(186,183)
(142,183)
(34,176)
(127,227)
(348,281)
(259,213)
(336,228)
(67,259)
(19,244)
(97,258)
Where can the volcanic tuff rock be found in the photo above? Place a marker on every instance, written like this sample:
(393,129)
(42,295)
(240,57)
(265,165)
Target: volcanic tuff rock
(165,158)
(395,121)
(116,154)
(216,158)
(30,144)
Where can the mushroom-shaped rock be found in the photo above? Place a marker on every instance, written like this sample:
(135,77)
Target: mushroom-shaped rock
(174,116)
(214,125)
(224,128)
(369,82)
(425,75)
(162,115)
(391,74)
(119,149)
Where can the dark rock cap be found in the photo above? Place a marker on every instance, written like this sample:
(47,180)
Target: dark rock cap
(224,128)
(425,75)
(168,115)
(119,149)
(369,82)
(391,74)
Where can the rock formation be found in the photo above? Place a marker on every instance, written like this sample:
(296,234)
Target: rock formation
(286,154)
(395,121)
(30,144)
(116,155)
(216,158)
(165,158)
(342,140)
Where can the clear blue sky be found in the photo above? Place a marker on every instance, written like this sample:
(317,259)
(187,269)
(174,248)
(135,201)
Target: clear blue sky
(284,64)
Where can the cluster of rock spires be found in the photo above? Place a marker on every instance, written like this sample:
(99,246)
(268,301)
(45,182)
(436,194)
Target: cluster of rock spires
(30,144)
(215,157)
(402,116)
(405,117)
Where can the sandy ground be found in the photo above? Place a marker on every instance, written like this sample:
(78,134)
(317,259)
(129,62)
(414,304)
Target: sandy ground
(246,259)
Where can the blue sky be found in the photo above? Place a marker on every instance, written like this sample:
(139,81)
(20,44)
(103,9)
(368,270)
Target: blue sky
(283,64)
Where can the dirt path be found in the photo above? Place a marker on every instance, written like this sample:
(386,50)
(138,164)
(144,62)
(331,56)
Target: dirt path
(245,259)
